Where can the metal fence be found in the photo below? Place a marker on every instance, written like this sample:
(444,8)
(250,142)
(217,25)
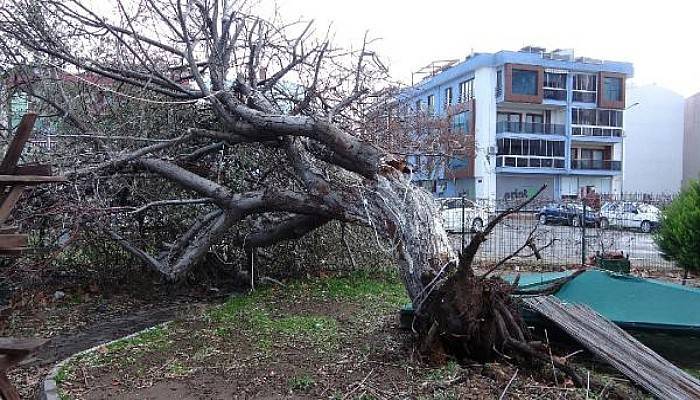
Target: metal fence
(561,231)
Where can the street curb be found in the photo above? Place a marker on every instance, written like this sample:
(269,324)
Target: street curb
(49,388)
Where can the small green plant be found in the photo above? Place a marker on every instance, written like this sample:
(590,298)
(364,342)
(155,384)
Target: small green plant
(447,372)
(679,234)
(177,368)
(301,383)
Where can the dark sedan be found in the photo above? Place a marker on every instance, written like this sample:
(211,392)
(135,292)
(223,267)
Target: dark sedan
(566,213)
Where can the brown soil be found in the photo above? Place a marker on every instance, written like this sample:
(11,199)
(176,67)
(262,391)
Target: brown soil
(85,318)
(255,355)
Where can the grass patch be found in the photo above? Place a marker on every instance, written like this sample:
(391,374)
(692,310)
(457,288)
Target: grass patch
(155,339)
(445,373)
(695,372)
(126,352)
(256,321)
(265,322)
(231,310)
(359,286)
(176,368)
(301,383)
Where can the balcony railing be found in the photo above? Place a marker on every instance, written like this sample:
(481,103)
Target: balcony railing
(596,131)
(555,94)
(529,161)
(602,165)
(584,96)
(529,127)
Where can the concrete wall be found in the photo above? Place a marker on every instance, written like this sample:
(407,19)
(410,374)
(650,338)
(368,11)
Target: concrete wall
(511,187)
(485,133)
(653,146)
(571,185)
(691,139)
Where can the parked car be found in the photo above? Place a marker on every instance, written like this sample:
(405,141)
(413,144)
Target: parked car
(475,216)
(565,213)
(644,217)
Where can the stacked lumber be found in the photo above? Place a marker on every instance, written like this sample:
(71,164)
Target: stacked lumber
(617,347)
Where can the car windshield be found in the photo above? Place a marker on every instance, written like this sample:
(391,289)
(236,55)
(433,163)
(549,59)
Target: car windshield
(608,207)
(648,208)
(450,204)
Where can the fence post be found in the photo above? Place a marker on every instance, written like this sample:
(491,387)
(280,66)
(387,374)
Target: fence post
(583,234)
(462,230)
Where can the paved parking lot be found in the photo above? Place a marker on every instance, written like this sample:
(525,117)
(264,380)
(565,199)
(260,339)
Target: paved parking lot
(566,248)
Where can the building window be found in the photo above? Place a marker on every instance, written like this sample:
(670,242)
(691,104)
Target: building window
(555,80)
(499,83)
(612,89)
(554,85)
(585,88)
(461,123)
(466,90)
(448,97)
(524,82)
(419,106)
(431,103)
(583,116)
(596,117)
(609,118)
(525,147)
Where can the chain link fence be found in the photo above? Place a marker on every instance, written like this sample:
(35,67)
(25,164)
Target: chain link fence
(559,232)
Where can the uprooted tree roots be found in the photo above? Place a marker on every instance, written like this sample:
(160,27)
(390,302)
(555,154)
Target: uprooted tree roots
(467,317)
(473,318)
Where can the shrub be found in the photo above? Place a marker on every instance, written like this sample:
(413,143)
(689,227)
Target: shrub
(679,234)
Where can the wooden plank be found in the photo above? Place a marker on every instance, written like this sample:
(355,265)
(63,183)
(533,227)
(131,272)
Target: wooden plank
(607,341)
(9,229)
(8,180)
(7,390)
(20,345)
(8,203)
(12,352)
(37,169)
(14,150)
(12,252)
(12,240)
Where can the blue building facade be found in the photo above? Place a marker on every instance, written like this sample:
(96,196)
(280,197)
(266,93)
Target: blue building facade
(536,117)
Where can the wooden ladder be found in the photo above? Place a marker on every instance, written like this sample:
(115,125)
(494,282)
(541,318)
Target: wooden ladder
(14,180)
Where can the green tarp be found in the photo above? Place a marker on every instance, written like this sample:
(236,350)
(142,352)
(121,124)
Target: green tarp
(626,300)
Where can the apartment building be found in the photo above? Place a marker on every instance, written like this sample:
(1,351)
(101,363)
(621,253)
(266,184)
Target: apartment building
(653,161)
(691,139)
(537,117)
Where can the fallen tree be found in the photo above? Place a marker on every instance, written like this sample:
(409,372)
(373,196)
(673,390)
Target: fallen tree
(268,93)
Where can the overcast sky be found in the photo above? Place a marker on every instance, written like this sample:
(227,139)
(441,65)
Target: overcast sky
(659,37)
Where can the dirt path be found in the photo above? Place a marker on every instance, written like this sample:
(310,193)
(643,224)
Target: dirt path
(94,329)
(63,346)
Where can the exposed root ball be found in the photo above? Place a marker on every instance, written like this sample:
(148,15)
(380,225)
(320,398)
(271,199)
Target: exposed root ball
(472,318)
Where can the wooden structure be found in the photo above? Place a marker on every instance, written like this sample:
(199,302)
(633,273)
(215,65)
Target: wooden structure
(12,352)
(14,179)
(607,341)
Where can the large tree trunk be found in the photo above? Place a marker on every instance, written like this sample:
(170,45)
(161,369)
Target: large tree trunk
(456,312)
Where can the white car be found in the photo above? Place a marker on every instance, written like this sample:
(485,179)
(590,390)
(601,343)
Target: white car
(644,217)
(456,210)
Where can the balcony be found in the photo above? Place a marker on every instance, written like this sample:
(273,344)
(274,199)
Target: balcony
(598,165)
(529,161)
(585,96)
(555,94)
(530,128)
(596,131)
